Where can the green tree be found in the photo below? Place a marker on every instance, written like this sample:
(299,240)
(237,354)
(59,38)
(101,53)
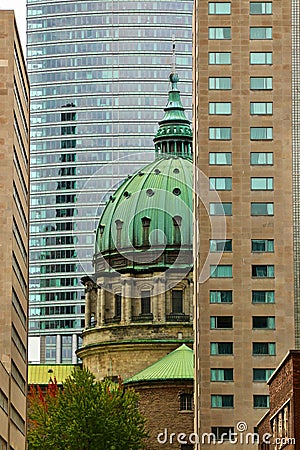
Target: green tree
(85,415)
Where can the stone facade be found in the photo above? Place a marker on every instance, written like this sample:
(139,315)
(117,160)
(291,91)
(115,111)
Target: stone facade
(122,346)
(224,146)
(14,231)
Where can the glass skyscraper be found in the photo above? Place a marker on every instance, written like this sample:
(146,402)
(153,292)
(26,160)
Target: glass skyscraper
(98,72)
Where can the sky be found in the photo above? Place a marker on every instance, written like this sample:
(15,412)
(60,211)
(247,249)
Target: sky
(20,11)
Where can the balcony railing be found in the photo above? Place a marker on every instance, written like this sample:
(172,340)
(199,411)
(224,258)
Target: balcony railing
(142,318)
(110,320)
(177,318)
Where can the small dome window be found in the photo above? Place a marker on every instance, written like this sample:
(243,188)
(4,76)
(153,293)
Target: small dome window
(149,192)
(176,191)
(126,194)
(146,229)
(157,171)
(119,226)
(176,170)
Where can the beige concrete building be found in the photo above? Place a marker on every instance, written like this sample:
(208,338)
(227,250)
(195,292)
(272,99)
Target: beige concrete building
(243,144)
(14,203)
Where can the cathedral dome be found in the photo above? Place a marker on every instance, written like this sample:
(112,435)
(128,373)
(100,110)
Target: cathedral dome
(148,221)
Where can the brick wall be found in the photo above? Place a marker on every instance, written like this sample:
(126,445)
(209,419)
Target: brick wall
(160,404)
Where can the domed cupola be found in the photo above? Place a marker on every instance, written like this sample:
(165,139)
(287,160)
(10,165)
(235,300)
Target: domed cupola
(147,223)
(139,301)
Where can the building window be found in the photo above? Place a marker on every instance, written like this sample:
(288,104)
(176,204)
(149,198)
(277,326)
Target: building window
(220,245)
(145,302)
(220,296)
(261,83)
(219,83)
(264,348)
(219,33)
(261,401)
(263,271)
(261,159)
(223,433)
(66,349)
(221,271)
(221,374)
(222,401)
(221,108)
(221,348)
(219,8)
(263,297)
(177,301)
(220,133)
(261,108)
(260,8)
(219,58)
(262,209)
(220,159)
(262,375)
(118,305)
(146,229)
(261,58)
(176,228)
(260,33)
(217,322)
(186,447)
(263,322)
(262,184)
(186,402)
(262,245)
(220,184)
(50,348)
(261,133)
(220,209)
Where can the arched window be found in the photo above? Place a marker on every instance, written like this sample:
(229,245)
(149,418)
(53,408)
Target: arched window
(119,226)
(177,224)
(146,229)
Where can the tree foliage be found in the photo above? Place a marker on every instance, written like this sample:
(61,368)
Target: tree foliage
(85,415)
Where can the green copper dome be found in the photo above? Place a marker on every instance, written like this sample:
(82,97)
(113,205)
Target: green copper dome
(148,221)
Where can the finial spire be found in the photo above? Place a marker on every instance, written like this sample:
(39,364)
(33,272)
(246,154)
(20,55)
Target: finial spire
(173,55)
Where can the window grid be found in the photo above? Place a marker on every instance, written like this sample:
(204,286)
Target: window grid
(219,83)
(261,108)
(261,158)
(220,133)
(262,184)
(220,183)
(220,159)
(219,33)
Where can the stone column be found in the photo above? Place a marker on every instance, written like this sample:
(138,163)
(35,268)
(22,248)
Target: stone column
(102,306)
(155,301)
(161,298)
(74,348)
(123,301)
(127,300)
(87,316)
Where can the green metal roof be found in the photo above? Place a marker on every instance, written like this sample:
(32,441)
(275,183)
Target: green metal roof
(40,373)
(160,192)
(177,365)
